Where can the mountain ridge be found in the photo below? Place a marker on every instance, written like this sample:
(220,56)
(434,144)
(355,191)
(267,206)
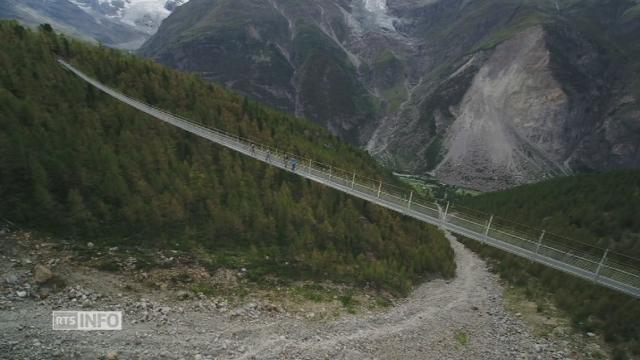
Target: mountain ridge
(401,79)
(125,24)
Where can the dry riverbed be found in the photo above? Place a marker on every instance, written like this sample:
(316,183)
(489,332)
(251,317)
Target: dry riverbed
(169,313)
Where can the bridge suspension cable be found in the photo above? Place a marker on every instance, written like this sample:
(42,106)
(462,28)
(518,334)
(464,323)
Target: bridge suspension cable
(603,267)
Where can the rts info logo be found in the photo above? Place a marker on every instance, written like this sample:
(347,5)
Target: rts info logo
(87,320)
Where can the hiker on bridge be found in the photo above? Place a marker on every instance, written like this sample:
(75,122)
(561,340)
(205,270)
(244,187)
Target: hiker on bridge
(294,162)
(253,149)
(267,157)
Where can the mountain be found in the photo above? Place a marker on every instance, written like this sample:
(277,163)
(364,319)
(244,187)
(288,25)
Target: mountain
(292,54)
(77,164)
(597,209)
(117,23)
(485,94)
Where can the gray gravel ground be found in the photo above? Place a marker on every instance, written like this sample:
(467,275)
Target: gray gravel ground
(459,319)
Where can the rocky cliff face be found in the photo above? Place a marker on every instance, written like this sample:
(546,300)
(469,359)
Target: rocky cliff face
(300,56)
(511,119)
(481,93)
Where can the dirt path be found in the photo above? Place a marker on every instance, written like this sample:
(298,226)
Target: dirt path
(459,319)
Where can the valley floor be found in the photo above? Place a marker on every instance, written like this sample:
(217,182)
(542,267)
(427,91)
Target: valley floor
(464,318)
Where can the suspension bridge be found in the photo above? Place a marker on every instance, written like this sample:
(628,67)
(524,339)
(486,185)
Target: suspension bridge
(613,270)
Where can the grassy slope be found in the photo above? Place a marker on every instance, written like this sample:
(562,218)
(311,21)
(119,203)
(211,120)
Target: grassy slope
(328,80)
(601,209)
(74,162)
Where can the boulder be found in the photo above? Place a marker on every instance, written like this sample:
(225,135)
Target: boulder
(12,279)
(183,295)
(42,274)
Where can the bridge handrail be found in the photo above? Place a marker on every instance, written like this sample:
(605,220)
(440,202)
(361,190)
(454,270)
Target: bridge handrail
(396,198)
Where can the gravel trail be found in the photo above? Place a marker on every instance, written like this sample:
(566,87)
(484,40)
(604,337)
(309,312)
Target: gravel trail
(463,318)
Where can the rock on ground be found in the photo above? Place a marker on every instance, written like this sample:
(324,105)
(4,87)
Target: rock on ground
(42,274)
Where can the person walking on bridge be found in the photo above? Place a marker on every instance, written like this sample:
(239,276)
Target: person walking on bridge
(253,149)
(267,157)
(294,162)
(286,160)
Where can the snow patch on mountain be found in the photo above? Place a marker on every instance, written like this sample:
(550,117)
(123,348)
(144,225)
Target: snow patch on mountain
(379,13)
(144,15)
